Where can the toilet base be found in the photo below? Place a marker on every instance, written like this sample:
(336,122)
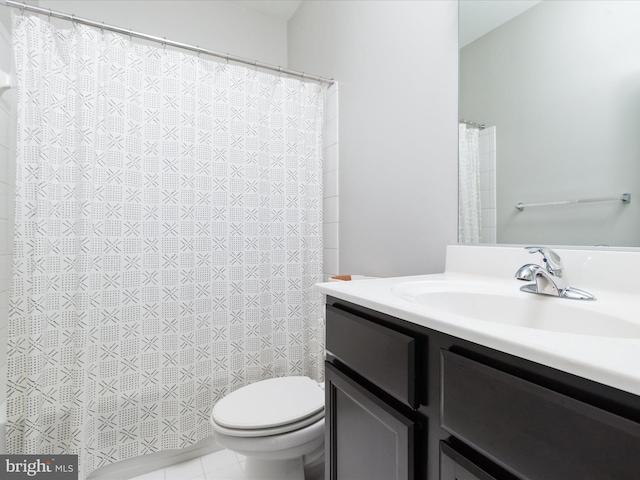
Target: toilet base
(260,469)
(315,470)
(279,457)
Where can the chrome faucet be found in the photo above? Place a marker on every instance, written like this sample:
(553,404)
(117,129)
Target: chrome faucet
(548,280)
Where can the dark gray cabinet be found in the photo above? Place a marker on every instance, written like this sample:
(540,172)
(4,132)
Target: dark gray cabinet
(531,430)
(404,401)
(367,439)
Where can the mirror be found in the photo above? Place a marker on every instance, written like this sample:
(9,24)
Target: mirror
(557,85)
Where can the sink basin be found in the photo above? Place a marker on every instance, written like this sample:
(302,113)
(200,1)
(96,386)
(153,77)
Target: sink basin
(515,308)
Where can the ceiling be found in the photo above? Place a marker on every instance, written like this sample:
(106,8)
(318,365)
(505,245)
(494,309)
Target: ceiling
(280,9)
(478,17)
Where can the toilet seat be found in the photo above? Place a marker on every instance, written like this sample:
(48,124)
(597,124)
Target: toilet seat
(265,432)
(269,407)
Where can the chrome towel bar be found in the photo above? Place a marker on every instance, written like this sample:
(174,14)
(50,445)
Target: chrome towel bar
(624,198)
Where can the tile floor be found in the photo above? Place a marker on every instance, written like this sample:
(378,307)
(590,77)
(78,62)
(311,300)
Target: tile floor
(221,465)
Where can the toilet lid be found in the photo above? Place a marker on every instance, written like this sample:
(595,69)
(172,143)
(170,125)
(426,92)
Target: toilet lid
(269,403)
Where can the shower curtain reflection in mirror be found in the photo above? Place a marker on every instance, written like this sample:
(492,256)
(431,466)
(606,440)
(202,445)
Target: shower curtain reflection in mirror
(477,184)
(167,240)
(469,208)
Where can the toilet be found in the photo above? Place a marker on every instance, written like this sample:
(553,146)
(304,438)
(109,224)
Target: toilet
(277,424)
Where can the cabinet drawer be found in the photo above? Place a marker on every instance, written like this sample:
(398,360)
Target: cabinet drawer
(455,465)
(381,355)
(532,431)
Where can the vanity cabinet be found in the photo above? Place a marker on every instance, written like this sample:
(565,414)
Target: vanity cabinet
(370,390)
(405,401)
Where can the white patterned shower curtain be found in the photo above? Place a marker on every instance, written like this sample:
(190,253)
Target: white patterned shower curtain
(167,240)
(469,214)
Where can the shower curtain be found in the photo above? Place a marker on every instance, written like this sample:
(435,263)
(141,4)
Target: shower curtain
(167,240)
(469,215)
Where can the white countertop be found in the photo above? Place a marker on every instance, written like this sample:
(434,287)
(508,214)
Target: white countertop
(608,360)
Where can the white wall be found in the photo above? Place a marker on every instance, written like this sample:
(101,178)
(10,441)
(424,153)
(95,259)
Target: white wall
(7,102)
(561,83)
(214,25)
(396,63)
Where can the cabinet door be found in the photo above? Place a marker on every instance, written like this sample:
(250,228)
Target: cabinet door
(366,439)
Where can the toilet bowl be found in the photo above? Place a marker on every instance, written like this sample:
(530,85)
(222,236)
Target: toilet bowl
(277,424)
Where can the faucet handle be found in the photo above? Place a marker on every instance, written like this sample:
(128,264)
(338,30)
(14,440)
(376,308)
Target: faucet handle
(551,259)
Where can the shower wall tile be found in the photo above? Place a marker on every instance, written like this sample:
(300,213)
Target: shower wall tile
(331,112)
(485,161)
(7,102)
(484,180)
(330,184)
(487,140)
(331,261)
(331,133)
(330,210)
(331,159)
(331,236)
(488,218)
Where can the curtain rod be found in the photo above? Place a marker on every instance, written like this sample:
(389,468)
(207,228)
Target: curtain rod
(163,41)
(471,124)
